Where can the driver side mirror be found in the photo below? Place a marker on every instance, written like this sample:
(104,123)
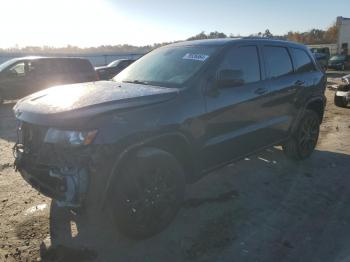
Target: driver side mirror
(230,78)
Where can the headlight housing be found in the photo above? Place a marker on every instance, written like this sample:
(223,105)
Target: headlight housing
(69,137)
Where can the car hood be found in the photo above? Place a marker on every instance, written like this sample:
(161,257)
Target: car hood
(69,102)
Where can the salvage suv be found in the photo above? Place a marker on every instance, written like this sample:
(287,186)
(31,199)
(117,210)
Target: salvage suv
(129,146)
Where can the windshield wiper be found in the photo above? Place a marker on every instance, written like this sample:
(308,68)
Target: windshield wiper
(136,82)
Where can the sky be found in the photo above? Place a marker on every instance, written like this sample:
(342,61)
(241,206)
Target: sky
(88,23)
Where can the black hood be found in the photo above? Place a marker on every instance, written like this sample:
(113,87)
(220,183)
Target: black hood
(69,102)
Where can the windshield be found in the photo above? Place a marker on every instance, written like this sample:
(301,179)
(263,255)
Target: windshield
(114,63)
(6,64)
(338,58)
(167,66)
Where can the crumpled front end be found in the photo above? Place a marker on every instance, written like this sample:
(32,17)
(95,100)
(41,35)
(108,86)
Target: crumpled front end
(59,172)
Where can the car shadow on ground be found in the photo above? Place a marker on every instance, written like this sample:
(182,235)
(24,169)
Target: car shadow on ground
(263,208)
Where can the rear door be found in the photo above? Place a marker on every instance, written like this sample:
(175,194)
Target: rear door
(306,74)
(282,84)
(82,70)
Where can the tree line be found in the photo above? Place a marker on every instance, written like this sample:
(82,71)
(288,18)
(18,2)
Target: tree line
(313,36)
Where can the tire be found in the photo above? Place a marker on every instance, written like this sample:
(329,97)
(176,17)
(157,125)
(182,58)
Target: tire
(303,142)
(148,193)
(340,101)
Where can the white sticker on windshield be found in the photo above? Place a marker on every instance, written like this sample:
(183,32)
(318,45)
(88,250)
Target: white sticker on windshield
(198,57)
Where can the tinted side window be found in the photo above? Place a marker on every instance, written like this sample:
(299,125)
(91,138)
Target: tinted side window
(40,67)
(244,59)
(277,61)
(17,70)
(81,66)
(302,61)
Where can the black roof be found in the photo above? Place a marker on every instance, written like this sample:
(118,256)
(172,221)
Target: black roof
(227,41)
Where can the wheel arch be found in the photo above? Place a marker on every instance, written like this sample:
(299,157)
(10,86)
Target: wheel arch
(175,143)
(316,104)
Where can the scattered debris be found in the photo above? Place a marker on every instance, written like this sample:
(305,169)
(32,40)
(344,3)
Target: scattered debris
(34,209)
(5,166)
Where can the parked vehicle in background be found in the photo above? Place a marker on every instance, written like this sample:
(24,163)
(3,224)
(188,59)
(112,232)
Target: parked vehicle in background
(346,79)
(342,94)
(22,76)
(322,60)
(130,145)
(322,55)
(339,62)
(321,50)
(113,68)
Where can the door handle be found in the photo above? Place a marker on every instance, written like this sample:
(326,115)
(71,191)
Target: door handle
(260,90)
(299,83)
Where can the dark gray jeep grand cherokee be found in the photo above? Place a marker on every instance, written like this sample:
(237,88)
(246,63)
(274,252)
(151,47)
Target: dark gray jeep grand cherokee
(130,145)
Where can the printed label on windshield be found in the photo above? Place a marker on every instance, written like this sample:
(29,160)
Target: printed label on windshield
(197,57)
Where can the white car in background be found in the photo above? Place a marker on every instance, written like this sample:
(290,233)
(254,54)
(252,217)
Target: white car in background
(342,94)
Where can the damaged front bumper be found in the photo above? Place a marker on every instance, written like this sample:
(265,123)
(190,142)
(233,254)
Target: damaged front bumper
(67,188)
(57,172)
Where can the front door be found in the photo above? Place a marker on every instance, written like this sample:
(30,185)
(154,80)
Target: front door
(237,116)
(14,80)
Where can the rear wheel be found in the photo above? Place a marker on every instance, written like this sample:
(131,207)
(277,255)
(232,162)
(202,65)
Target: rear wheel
(303,142)
(340,101)
(147,193)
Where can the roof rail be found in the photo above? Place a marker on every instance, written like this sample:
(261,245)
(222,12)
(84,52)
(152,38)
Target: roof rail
(262,38)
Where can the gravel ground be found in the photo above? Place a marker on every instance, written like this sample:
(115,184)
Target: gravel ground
(263,208)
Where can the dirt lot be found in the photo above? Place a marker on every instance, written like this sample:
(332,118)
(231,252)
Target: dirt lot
(263,208)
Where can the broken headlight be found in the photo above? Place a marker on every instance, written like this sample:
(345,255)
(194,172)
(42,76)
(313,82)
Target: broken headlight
(67,137)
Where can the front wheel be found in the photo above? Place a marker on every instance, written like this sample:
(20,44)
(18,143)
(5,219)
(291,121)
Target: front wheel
(148,193)
(303,142)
